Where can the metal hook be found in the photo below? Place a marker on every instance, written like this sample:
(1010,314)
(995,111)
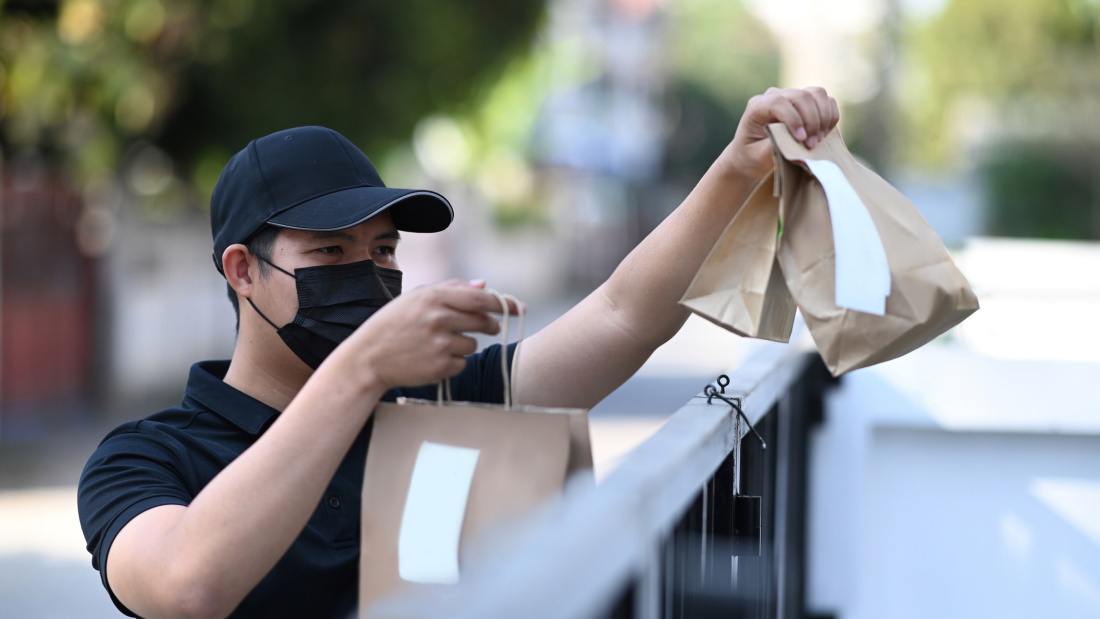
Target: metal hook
(723,382)
(734,403)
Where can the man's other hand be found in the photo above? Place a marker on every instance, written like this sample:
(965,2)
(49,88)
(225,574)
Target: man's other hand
(419,337)
(809,113)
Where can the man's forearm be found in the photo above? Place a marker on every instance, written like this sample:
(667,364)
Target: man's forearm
(239,526)
(587,353)
(648,284)
(244,521)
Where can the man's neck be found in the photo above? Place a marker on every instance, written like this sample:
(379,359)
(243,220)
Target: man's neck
(259,369)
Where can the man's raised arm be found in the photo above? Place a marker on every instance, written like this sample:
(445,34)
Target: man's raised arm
(596,346)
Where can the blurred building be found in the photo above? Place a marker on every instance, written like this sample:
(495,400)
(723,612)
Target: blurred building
(50,296)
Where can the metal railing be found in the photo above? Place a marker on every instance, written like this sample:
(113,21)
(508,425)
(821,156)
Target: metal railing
(699,521)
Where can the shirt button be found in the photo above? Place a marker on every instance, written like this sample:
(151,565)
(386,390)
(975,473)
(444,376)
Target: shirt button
(334,502)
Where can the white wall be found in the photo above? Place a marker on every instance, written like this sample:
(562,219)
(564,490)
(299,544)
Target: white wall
(963,480)
(168,307)
(915,520)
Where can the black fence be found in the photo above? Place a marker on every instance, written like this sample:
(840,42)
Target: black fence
(706,519)
(740,549)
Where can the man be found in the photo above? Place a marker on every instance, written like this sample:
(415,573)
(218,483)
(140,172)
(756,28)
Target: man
(244,500)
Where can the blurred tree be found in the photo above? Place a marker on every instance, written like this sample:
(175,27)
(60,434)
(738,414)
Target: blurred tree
(982,55)
(1013,87)
(720,55)
(84,80)
(1043,190)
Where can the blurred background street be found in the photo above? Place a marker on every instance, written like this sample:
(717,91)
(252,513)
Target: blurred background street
(564,131)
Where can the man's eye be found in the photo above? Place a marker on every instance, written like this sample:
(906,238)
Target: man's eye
(331,249)
(387,250)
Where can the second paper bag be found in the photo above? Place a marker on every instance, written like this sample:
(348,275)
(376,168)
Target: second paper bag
(740,286)
(439,474)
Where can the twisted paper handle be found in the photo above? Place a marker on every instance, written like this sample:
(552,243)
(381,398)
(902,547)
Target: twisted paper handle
(443,389)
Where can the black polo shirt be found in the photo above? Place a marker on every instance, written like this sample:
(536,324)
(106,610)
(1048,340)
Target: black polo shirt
(169,457)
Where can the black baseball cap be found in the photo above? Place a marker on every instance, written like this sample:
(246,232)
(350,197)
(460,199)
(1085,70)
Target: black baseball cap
(311,178)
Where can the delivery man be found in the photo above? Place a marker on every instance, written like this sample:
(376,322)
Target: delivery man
(244,500)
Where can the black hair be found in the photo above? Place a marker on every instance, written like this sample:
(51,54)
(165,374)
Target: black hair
(259,245)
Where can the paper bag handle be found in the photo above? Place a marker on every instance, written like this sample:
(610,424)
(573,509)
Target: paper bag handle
(443,389)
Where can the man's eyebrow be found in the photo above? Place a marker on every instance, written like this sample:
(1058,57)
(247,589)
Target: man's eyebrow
(330,235)
(343,235)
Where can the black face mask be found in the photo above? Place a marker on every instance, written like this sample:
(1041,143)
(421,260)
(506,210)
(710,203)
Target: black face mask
(332,302)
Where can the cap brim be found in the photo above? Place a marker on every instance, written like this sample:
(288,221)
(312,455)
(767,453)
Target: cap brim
(413,210)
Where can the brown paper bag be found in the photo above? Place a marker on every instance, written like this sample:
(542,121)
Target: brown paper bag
(927,294)
(740,286)
(511,459)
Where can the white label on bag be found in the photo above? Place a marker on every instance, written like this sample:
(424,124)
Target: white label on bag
(427,547)
(862,272)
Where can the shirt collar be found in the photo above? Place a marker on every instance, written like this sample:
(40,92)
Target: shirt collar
(206,386)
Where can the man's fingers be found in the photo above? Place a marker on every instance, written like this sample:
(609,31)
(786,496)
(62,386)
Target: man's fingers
(461,283)
(779,107)
(452,321)
(811,118)
(827,109)
(810,113)
(470,299)
(824,111)
(462,345)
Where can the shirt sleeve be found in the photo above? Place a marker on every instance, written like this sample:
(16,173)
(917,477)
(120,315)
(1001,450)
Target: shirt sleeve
(481,381)
(130,472)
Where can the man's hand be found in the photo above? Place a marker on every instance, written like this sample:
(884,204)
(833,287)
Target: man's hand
(810,114)
(419,337)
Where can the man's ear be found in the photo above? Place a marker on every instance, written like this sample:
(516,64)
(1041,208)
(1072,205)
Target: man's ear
(236,263)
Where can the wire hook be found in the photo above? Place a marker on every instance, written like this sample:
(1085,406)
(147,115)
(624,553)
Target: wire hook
(723,382)
(734,403)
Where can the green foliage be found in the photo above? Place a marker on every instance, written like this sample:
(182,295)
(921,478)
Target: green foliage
(720,56)
(999,72)
(702,125)
(367,69)
(1045,192)
(199,78)
(993,52)
(722,47)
